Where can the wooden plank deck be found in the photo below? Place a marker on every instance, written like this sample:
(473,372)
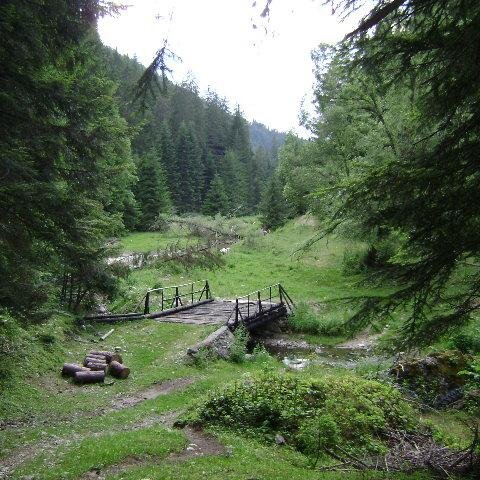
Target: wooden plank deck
(215,313)
(219,312)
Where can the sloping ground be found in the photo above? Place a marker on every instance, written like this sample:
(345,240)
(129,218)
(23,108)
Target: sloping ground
(51,429)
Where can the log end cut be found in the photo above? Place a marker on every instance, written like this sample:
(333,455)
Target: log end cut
(118,370)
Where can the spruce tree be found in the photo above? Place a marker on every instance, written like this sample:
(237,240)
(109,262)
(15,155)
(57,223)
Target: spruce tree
(216,200)
(210,170)
(64,154)
(273,208)
(188,171)
(166,149)
(151,190)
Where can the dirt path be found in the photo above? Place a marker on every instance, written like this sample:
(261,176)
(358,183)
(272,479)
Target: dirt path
(200,444)
(20,455)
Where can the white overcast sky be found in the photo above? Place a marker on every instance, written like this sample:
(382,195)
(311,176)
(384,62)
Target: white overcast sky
(266,72)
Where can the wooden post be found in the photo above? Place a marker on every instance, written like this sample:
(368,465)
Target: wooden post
(146,310)
(248,306)
(162,298)
(236,312)
(192,292)
(176,296)
(270,294)
(207,286)
(259,302)
(280,293)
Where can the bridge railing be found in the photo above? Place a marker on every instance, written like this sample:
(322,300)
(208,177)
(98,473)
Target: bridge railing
(259,302)
(175,296)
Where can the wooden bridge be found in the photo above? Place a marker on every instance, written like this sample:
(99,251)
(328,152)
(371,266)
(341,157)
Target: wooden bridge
(193,303)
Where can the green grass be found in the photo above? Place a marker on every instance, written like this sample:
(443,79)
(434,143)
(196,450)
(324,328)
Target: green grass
(314,276)
(143,242)
(154,351)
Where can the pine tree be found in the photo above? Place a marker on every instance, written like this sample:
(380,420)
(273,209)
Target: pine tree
(64,154)
(151,190)
(273,208)
(210,170)
(233,174)
(188,171)
(166,149)
(216,200)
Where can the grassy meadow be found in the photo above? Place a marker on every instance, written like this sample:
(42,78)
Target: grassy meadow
(52,429)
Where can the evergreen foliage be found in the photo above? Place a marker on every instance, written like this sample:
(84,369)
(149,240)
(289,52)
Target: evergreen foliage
(151,190)
(395,157)
(65,155)
(215,134)
(273,209)
(216,200)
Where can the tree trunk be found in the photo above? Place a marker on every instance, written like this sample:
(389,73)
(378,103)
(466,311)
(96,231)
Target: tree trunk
(118,370)
(89,377)
(69,369)
(94,359)
(97,366)
(109,356)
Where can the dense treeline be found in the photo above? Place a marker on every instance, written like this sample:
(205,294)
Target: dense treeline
(81,162)
(194,140)
(66,163)
(394,158)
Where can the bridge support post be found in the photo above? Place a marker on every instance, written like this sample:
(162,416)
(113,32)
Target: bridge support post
(176,296)
(259,302)
(146,309)
(236,312)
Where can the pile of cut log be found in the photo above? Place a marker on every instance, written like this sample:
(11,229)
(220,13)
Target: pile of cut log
(96,365)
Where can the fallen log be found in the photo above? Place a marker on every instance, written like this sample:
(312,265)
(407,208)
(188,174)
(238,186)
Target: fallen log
(69,369)
(96,359)
(109,356)
(89,377)
(97,366)
(118,370)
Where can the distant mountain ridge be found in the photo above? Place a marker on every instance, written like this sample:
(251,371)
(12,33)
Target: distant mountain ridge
(264,137)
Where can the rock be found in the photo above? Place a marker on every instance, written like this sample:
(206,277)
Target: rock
(434,377)
(295,363)
(280,439)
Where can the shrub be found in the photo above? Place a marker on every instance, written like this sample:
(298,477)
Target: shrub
(238,349)
(353,262)
(312,414)
(304,319)
(11,335)
(467,339)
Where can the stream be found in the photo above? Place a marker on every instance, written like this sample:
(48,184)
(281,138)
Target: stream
(297,355)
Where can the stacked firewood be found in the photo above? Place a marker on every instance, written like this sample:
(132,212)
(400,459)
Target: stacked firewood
(95,366)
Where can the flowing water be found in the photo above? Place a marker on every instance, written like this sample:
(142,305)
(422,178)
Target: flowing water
(298,355)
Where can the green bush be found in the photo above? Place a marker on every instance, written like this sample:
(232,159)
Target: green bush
(467,340)
(11,335)
(238,349)
(353,262)
(304,319)
(312,414)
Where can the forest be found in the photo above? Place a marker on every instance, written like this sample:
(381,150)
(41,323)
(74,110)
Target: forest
(116,181)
